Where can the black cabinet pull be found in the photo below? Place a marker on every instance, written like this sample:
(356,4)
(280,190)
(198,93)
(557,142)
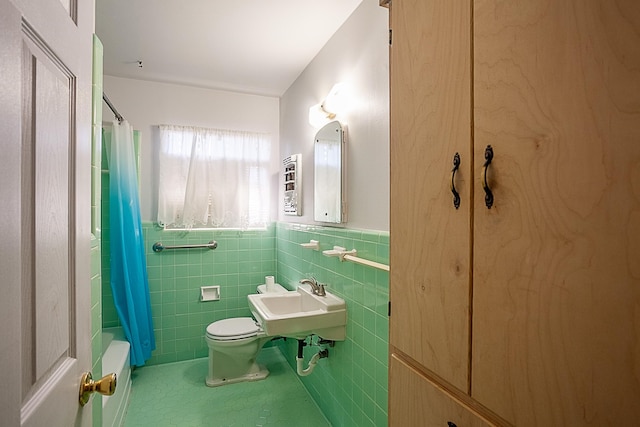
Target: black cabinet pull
(456,165)
(488,195)
(450,424)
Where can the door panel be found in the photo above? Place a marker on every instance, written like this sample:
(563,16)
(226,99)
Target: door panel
(430,238)
(53,283)
(50,232)
(556,284)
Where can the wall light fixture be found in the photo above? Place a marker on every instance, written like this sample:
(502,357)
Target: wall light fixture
(336,103)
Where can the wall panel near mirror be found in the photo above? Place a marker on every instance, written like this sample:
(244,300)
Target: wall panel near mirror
(330,202)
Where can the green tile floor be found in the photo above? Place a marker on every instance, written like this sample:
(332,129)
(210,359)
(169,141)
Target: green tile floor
(174,394)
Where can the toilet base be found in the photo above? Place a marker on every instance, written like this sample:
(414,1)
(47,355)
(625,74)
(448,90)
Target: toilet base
(258,373)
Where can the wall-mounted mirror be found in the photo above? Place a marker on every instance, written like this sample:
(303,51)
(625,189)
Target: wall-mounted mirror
(329,174)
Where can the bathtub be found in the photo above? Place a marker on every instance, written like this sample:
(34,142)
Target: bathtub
(115,358)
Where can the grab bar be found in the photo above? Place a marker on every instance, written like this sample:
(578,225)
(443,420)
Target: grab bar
(159,247)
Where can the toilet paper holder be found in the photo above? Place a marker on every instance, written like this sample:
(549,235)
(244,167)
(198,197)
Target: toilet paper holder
(209,293)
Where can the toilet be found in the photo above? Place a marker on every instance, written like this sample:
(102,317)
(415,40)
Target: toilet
(234,344)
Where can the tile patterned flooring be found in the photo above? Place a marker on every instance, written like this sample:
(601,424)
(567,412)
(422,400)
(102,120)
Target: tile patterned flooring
(175,394)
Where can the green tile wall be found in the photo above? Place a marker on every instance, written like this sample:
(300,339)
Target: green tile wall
(109,314)
(350,386)
(96,327)
(96,195)
(238,265)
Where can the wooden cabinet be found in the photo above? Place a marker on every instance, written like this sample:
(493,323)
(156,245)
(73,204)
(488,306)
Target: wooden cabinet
(422,402)
(430,239)
(530,309)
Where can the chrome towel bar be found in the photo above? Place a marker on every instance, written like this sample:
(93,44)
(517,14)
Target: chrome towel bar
(159,247)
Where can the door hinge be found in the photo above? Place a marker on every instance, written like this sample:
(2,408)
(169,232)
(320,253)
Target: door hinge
(389,309)
(390,36)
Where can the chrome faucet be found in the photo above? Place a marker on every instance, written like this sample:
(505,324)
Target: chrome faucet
(316,288)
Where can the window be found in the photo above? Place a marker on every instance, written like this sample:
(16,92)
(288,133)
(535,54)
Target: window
(213,178)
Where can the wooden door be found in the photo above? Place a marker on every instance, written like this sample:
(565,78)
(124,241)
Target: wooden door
(556,336)
(45,90)
(430,243)
(421,402)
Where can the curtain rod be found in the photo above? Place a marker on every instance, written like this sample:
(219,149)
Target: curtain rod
(115,112)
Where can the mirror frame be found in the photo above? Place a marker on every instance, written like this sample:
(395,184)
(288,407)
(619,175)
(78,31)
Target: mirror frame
(330,204)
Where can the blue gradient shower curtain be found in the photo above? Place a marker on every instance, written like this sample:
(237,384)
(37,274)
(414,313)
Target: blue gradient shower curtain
(129,281)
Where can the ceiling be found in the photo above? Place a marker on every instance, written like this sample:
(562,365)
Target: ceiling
(250,46)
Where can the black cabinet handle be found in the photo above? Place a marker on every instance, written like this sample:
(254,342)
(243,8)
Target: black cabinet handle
(450,424)
(488,195)
(456,165)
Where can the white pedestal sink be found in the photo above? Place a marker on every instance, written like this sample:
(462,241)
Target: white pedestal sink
(300,313)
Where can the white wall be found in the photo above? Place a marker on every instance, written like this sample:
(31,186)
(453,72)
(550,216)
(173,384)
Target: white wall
(149,104)
(358,54)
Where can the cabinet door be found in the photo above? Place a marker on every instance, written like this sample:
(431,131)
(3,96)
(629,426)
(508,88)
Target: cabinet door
(556,291)
(414,400)
(430,242)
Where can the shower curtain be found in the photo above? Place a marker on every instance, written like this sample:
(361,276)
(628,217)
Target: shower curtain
(129,282)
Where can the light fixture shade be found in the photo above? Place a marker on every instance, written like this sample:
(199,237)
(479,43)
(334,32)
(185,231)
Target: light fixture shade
(338,100)
(336,103)
(318,117)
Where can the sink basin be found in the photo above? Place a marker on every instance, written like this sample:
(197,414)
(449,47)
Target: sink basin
(299,313)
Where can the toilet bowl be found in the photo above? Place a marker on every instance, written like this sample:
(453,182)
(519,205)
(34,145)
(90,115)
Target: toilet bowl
(234,344)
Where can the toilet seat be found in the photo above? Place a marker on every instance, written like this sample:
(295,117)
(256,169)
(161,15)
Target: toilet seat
(234,328)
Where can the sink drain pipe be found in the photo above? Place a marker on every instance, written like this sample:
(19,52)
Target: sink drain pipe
(312,363)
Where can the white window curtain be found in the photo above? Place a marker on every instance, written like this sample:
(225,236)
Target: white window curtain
(213,178)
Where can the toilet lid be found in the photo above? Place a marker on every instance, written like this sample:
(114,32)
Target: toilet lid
(233,328)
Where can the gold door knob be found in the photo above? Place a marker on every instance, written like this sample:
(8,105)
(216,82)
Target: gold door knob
(105,385)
